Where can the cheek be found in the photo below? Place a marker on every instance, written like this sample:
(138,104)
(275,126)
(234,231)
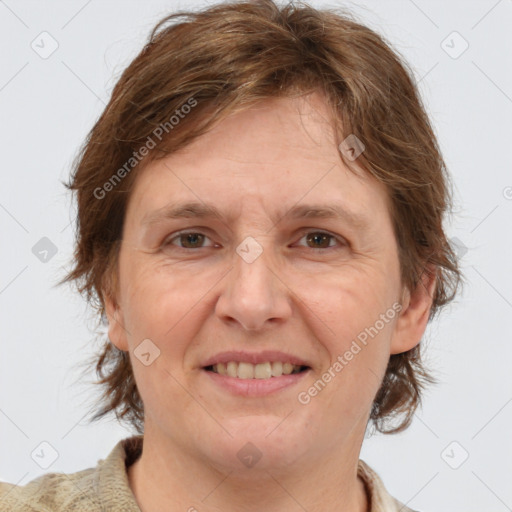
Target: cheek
(161,305)
(349,300)
(161,302)
(357,308)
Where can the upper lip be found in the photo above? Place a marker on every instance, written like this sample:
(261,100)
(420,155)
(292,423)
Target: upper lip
(254,357)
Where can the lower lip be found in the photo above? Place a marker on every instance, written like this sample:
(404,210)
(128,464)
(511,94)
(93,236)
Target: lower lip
(255,387)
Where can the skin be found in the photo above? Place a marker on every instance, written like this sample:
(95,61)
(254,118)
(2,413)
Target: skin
(302,296)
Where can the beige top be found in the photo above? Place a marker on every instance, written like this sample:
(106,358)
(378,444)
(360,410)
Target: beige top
(105,488)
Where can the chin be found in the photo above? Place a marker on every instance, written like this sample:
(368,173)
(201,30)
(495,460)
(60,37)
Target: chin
(258,442)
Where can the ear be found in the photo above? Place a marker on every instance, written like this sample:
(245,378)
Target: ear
(416,305)
(116,329)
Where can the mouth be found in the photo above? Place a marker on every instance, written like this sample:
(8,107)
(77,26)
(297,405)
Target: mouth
(249,380)
(246,371)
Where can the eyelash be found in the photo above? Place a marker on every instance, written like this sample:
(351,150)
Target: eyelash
(341,242)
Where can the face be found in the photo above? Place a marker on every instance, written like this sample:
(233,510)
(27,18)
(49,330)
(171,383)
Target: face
(286,256)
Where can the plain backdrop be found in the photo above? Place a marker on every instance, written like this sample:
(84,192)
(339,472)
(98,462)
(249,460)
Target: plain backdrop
(457,455)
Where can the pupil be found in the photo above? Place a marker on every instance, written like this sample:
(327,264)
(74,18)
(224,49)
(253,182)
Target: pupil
(316,237)
(193,238)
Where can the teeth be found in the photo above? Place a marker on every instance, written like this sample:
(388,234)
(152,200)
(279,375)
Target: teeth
(277,369)
(232,369)
(255,371)
(263,371)
(245,371)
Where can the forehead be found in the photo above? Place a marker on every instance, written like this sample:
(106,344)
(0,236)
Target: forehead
(278,154)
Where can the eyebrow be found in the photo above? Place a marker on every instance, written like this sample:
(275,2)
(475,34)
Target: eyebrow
(192,210)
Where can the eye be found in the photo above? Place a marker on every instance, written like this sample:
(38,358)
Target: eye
(195,240)
(188,240)
(320,240)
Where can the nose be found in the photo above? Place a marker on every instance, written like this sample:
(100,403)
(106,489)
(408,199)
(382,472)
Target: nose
(254,294)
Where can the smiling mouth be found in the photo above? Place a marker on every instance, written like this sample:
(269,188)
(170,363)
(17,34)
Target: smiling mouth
(243,370)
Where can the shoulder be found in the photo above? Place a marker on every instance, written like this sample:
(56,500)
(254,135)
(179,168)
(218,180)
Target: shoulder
(96,489)
(379,498)
(51,492)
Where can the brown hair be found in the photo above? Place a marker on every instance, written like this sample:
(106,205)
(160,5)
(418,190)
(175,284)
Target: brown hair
(224,59)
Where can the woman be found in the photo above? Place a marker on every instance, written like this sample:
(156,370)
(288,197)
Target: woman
(260,213)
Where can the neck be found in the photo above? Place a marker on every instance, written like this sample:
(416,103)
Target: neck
(168,477)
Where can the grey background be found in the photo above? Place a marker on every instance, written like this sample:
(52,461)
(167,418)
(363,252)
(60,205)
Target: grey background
(49,104)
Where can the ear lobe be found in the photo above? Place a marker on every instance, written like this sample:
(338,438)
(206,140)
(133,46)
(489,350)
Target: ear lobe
(412,322)
(116,330)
